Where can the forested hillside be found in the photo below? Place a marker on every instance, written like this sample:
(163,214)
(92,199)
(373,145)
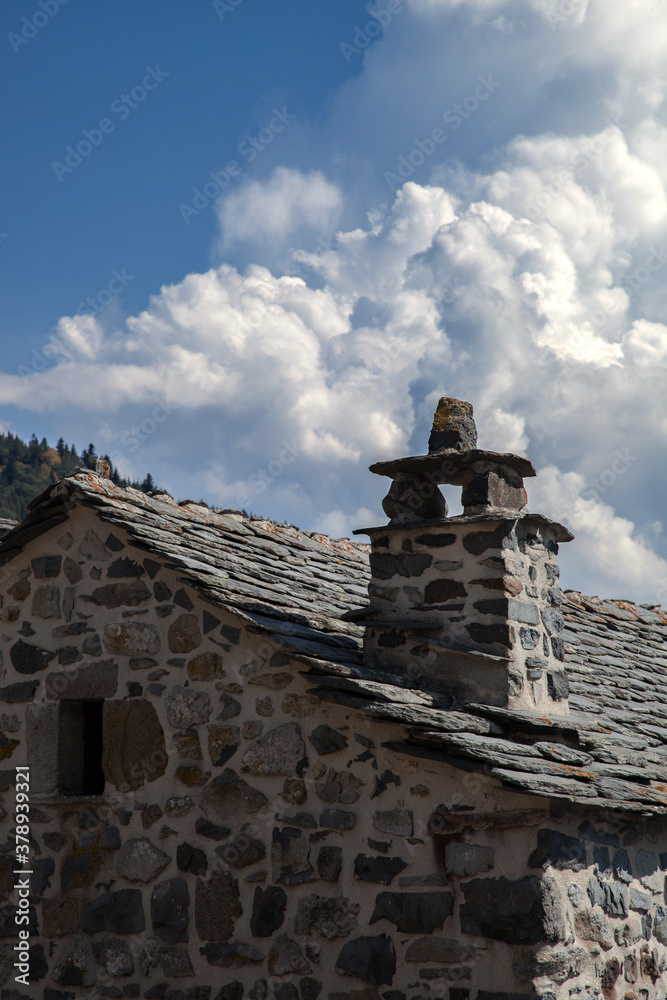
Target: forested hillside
(27,469)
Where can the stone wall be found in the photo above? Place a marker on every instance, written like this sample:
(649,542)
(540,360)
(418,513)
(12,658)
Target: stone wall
(609,872)
(254,842)
(489,586)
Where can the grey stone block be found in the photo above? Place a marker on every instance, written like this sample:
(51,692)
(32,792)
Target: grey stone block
(327,740)
(372,959)
(187,707)
(268,910)
(660,924)
(558,684)
(131,639)
(76,965)
(435,541)
(601,860)
(397,822)
(330,862)
(46,566)
(280,751)
(559,851)
(217,905)
(478,542)
(553,621)
(28,659)
(612,897)
(170,903)
(325,917)
(414,912)
(341,787)
(290,854)
(647,926)
(125,567)
(384,566)
(232,956)
(116,957)
(127,593)
(468,859)
(377,869)
(505,910)
(175,962)
(140,861)
(285,957)
(117,912)
(228,796)
(621,865)
(46,601)
(88,682)
(509,607)
(42,746)
(648,869)
(640,901)
(337,819)
(490,635)
(23,691)
(589,832)
(529,637)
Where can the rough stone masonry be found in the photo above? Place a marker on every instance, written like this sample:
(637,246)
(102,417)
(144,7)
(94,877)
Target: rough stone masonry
(468,605)
(258,771)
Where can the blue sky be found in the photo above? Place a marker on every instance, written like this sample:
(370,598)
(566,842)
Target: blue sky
(413,198)
(119,208)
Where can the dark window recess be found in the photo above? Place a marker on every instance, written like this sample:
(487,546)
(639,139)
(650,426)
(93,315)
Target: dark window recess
(80,748)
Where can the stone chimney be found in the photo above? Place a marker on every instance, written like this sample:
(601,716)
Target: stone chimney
(468,606)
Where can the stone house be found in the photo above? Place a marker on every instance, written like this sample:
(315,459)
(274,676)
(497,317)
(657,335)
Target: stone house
(260,769)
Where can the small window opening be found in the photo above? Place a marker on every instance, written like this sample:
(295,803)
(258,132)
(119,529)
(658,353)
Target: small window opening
(80,748)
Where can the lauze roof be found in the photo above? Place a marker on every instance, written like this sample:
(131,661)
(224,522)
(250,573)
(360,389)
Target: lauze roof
(303,589)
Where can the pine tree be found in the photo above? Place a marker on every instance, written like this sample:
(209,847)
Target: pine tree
(24,473)
(89,457)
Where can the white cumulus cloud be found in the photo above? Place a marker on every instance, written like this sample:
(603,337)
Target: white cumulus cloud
(520,267)
(274,210)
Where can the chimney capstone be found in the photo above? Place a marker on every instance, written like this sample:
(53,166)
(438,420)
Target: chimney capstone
(468,606)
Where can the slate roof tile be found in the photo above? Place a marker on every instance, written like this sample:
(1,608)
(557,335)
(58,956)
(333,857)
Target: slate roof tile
(303,590)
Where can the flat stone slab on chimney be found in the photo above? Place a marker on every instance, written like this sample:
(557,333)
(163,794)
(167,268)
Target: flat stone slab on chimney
(562,534)
(450,466)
